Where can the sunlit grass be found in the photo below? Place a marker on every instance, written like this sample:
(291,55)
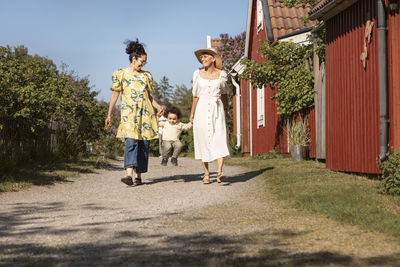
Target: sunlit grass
(347,198)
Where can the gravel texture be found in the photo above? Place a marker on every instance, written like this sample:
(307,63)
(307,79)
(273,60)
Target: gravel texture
(175,220)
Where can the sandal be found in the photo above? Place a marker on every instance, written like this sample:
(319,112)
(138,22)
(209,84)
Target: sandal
(220,177)
(127,180)
(137,181)
(206,179)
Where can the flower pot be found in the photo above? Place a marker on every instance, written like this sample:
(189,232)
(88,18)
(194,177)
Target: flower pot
(299,153)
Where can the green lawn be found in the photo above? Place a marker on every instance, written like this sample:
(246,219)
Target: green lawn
(343,197)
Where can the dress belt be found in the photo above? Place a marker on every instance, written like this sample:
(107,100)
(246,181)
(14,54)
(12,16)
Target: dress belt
(214,102)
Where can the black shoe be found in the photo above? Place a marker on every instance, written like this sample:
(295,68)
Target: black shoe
(174,161)
(127,180)
(164,161)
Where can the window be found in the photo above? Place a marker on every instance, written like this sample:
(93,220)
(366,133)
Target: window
(260,107)
(260,16)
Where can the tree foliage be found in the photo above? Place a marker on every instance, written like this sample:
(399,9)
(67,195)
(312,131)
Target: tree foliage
(34,95)
(163,91)
(286,70)
(182,99)
(303,3)
(231,49)
(390,173)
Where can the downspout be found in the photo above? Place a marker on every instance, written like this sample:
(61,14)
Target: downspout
(383,84)
(238,114)
(251,119)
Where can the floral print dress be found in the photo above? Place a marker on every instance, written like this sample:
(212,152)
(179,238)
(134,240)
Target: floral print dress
(138,119)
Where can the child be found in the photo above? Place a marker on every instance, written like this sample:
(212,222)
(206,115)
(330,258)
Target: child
(172,130)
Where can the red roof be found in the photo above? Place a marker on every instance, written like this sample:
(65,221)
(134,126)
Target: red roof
(326,9)
(320,5)
(285,20)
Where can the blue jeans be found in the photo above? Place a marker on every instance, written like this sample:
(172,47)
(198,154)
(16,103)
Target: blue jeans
(136,154)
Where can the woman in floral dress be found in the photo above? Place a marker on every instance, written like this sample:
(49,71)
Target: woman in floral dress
(138,119)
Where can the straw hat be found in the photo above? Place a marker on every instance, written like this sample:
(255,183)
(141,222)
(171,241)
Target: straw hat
(210,51)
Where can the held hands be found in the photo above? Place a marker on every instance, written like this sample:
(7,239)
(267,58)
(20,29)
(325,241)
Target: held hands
(161,111)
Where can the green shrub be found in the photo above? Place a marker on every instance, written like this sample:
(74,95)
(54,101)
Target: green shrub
(235,151)
(390,173)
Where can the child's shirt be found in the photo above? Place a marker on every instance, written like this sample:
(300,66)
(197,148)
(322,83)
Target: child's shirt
(173,132)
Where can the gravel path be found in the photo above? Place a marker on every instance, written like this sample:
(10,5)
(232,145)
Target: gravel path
(175,220)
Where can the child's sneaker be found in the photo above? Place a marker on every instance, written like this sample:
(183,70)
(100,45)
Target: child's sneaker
(164,161)
(174,161)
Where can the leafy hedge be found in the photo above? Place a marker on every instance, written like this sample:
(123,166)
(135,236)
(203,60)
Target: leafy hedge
(35,94)
(390,173)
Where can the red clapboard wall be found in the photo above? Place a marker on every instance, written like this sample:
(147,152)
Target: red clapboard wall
(352,92)
(273,134)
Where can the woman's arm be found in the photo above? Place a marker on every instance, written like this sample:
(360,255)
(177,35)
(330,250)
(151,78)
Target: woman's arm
(113,100)
(194,105)
(160,109)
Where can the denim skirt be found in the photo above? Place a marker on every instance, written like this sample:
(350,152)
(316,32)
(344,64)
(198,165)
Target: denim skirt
(136,154)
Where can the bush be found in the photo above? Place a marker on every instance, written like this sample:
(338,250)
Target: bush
(234,150)
(390,173)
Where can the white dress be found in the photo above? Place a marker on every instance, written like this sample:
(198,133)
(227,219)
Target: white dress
(209,128)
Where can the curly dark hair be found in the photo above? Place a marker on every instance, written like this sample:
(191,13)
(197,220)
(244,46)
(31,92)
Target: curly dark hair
(174,110)
(134,49)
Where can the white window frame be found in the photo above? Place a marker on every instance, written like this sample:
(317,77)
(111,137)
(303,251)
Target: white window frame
(261,107)
(260,16)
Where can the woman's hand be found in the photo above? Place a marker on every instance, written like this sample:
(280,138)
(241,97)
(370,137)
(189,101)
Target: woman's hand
(191,118)
(107,122)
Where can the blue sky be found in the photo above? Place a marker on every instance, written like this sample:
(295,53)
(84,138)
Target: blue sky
(88,35)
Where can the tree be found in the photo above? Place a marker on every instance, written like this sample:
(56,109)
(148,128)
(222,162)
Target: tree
(34,94)
(182,99)
(287,71)
(231,49)
(163,92)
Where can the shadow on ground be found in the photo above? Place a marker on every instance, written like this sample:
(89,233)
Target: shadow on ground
(242,177)
(48,173)
(141,248)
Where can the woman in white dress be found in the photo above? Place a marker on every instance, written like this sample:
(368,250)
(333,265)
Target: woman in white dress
(207,114)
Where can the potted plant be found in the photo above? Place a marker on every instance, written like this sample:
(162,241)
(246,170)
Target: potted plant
(299,138)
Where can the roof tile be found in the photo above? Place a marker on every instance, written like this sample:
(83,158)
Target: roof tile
(285,20)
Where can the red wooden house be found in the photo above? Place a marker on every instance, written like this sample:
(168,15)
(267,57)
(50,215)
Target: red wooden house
(259,129)
(362,81)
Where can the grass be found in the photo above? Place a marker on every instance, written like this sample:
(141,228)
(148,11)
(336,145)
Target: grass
(346,198)
(48,173)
